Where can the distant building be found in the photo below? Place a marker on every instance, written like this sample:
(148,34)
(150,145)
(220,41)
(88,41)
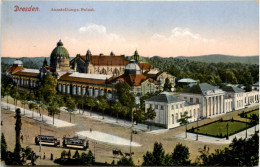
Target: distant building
(169,108)
(255,86)
(187,82)
(237,95)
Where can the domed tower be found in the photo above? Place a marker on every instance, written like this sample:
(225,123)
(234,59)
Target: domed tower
(60,57)
(17,63)
(132,68)
(136,57)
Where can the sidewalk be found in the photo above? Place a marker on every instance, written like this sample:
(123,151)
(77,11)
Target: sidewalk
(36,116)
(121,122)
(214,140)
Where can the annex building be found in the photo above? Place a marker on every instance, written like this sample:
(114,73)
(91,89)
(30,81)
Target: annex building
(199,101)
(92,75)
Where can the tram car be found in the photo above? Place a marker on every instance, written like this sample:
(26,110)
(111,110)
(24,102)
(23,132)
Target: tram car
(75,143)
(46,140)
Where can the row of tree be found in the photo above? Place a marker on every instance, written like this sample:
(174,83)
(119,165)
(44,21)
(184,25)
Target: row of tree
(66,158)
(241,152)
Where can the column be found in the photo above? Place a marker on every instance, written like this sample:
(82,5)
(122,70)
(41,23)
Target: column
(74,90)
(83,91)
(95,93)
(59,87)
(68,89)
(78,90)
(207,106)
(101,92)
(63,89)
(90,92)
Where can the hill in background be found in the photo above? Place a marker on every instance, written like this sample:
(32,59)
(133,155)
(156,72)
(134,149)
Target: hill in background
(217,58)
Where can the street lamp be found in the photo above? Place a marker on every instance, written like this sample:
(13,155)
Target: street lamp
(197,136)
(227,131)
(246,125)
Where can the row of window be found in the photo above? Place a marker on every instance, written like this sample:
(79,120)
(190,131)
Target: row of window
(192,101)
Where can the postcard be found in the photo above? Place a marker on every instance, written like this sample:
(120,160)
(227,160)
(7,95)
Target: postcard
(130,83)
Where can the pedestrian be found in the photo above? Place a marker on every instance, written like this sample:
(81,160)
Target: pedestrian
(51,156)
(90,130)
(44,155)
(1,123)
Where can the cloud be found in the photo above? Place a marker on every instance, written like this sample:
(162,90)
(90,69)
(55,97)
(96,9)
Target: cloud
(178,34)
(100,31)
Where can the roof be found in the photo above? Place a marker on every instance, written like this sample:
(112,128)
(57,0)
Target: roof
(187,80)
(60,51)
(200,88)
(152,74)
(256,84)
(145,66)
(134,79)
(232,89)
(70,77)
(14,69)
(165,97)
(28,72)
(90,76)
(109,60)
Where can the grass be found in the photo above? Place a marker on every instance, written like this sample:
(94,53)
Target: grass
(219,129)
(252,112)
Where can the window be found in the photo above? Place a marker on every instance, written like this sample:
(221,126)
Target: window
(197,100)
(185,98)
(162,107)
(177,106)
(172,118)
(151,106)
(190,114)
(172,107)
(180,105)
(156,106)
(191,100)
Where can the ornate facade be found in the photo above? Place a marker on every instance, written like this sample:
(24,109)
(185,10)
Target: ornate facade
(105,64)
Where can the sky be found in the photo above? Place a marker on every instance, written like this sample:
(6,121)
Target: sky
(166,29)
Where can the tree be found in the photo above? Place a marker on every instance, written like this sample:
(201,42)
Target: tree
(148,159)
(102,105)
(167,85)
(116,108)
(90,103)
(254,120)
(180,155)
(53,109)
(150,114)
(124,161)
(81,103)
(32,106)
(3,147)
(48,88)
(24,101)
(70,104)
(158,154)
(184,121)
(123,94)
(18,126)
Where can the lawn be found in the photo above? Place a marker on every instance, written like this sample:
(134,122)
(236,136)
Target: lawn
(252,112)
(218,128)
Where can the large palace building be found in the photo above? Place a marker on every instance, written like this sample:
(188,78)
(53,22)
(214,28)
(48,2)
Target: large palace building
(92,74)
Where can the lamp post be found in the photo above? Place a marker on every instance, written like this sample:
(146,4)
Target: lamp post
(246,125)
(197,135)
(227,131)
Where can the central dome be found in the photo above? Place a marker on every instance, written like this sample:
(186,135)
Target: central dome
(132,68)
(58,53)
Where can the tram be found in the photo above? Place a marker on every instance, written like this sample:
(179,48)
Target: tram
(75,143)
(46,140)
